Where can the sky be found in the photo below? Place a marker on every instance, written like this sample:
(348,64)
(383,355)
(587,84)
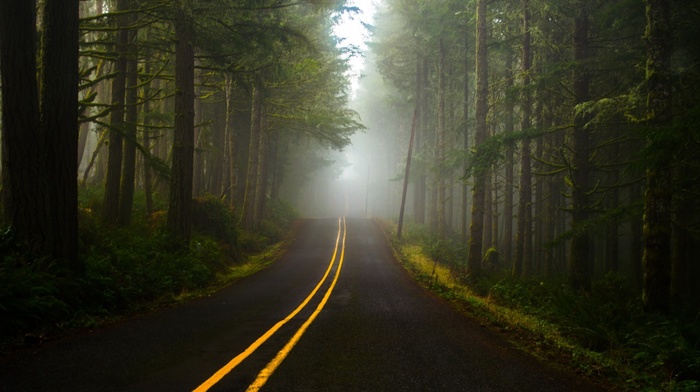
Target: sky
(351,29)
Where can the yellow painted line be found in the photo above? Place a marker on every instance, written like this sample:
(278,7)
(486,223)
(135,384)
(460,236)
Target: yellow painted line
(265,374)
(245,354)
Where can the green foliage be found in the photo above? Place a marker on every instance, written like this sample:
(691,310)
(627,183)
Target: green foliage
(29,293)
(605,332)
(212,217)
(448,252)
(610,321)
(124,269)
(279,216)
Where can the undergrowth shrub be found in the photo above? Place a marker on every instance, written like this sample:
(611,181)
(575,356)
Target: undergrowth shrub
(29,291)
(279,216)
(606,329)
(445,251)
(611,321)
(124,269)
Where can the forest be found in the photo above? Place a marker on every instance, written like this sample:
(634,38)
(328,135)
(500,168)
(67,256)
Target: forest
(155,150)
(554,161)
(146,146)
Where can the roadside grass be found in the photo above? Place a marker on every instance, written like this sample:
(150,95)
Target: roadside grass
(605,336)
(130,270)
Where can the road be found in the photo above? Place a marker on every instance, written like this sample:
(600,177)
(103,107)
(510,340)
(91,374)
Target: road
(335,313)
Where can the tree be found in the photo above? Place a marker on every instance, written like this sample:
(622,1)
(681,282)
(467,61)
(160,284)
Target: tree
(248,210)
(128,177)
(180,206)
(522,265)
(579,257)
(40,127)
(482,92)
(116,117)
(658,196)
(24,193)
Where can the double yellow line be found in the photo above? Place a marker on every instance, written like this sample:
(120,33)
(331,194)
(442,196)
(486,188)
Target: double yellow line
(282,354)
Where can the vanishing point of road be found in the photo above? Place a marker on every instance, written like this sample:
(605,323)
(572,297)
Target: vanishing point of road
(335,313)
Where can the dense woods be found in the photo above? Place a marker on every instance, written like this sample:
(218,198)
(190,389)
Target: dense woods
(556,142)
(575,120)
(168,93)
(568,132)
(139,138)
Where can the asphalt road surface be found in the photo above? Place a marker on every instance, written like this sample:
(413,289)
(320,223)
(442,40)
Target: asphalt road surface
(336,313)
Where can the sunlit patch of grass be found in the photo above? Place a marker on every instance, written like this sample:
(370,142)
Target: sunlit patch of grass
(438,272)
(604,335)
(130,270)
(256,262)
(531,333)
(501,316)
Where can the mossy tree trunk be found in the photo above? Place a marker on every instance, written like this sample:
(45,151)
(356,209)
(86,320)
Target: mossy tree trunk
(179,221)
(476,230)
(658,196)
(580,267)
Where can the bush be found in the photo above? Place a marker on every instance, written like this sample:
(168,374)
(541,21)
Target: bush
(211,216)
(279,216)
(124,269)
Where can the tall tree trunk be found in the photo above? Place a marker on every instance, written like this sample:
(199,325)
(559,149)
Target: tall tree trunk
(482,91)
(126,194)
(508,208)
(488,210)
(59,108)
(82,141)
(579,257)
(465,139)
(440,144)
(248,213)
(658,195)
(24,192)
(538,230)
(179,210)
(200,141)
(522,265)
(419,187)
(229,184)
(550,196)
(147,169)
(495,215)
(116,119)
(422,129)
(262,173)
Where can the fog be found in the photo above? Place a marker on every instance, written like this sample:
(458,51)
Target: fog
(365,179)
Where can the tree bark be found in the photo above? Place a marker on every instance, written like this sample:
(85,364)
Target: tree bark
(59,109)
(440,144)
(419,187)
(657,229)
(465,140)
(126,193)
(478,192)
(248,213)
(200,142)
(579,257)
(116,119)
(508,208)
(24,192)
(522,265)
(262,173)
(179,210)
(229,183)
